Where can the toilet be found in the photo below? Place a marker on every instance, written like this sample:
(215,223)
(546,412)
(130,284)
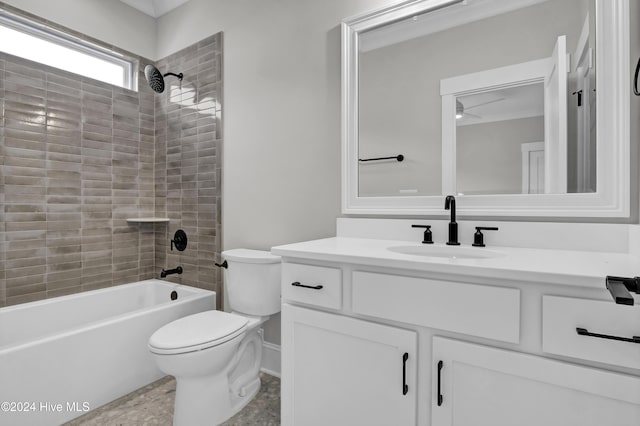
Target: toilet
(215,356)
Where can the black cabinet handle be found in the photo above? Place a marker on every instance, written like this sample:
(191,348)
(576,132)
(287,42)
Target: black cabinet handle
(440,365)
(585,332)
(313,287)
(405,387)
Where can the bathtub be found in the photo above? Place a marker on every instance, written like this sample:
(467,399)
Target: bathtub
(62,357)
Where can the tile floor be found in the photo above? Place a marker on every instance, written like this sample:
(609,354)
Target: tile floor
(153,405)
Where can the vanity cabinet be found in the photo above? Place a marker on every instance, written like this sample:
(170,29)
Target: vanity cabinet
(343,371)
(480,385)
(471,351)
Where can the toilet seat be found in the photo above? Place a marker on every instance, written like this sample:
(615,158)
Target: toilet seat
(197,332)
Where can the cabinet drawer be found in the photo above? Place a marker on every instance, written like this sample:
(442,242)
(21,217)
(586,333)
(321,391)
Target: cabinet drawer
(561,316)
(313,285)
(484,311)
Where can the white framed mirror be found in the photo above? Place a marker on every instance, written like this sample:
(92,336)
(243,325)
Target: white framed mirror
(519,108)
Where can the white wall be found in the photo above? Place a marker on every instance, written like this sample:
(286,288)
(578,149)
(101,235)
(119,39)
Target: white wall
(634,11)
(110,21)
(489,155)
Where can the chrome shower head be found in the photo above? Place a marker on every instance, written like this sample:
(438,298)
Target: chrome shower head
(156,79)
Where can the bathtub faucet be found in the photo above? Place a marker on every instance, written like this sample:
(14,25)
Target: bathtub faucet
(177,270)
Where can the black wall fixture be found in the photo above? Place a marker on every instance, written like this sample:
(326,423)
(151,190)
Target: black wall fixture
(179,240)
(165,274)
(156,79)
(395,157)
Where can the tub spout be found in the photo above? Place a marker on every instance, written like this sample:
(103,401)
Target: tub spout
(177,270)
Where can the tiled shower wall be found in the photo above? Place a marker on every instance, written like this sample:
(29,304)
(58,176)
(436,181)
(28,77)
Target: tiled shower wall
(77,160)
(78,157)
(188,163)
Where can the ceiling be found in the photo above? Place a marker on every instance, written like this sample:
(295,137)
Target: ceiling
(154,8)
(435,21)
(502,104)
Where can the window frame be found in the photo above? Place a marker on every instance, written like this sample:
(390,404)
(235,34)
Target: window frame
(44,32)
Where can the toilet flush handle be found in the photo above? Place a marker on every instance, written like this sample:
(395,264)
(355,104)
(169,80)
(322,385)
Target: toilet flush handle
(224,265)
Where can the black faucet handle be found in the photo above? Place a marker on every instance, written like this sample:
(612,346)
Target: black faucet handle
(179,240)
(427,238)
(478,237)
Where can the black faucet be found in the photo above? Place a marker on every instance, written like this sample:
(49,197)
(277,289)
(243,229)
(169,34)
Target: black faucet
(177,270)
(450,203)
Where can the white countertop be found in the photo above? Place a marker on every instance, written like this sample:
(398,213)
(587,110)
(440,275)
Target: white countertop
(567,267)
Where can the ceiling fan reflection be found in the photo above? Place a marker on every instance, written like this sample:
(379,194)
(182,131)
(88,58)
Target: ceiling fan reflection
(461,111)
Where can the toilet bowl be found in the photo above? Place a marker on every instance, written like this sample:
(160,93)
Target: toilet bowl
(215,356)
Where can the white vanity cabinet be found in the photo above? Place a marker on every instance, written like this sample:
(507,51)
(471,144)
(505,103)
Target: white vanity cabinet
(481,350)
(342,371)
(476,385)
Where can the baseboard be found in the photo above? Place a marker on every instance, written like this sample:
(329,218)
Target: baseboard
(271,359)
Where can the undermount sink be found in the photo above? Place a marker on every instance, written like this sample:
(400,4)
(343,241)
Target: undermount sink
(447,252)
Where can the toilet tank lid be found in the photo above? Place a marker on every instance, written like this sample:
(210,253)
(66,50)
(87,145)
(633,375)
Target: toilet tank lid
(250,256)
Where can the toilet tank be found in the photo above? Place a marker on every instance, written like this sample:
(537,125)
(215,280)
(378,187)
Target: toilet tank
(253,281)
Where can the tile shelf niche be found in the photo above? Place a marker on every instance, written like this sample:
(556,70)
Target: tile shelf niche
(148,219)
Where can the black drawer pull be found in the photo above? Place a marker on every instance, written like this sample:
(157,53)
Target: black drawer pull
(405,388)
(585,332)
(313,287)
(440,365)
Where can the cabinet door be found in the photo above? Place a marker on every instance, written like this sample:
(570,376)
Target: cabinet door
(476,385)
(342,371)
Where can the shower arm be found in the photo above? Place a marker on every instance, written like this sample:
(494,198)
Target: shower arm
(175,75)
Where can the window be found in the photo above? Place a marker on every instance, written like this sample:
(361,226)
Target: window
(35,42)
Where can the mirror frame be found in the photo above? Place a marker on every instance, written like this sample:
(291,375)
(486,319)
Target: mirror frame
(613,196)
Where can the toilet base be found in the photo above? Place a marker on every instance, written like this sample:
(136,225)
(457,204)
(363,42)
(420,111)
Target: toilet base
(207,402)
(213,399)
(245,396)
(202,401)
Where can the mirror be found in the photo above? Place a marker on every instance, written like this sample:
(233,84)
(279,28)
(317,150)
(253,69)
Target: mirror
(499,137)
(493,101)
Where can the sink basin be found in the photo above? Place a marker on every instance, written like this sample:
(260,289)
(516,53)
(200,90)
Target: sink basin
(447,252)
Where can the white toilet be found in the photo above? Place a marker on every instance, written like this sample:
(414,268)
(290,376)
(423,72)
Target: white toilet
(215,356)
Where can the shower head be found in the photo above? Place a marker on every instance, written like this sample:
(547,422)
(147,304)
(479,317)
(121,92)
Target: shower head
(156,79)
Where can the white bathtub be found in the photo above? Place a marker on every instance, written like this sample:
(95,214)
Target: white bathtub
(64,356)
